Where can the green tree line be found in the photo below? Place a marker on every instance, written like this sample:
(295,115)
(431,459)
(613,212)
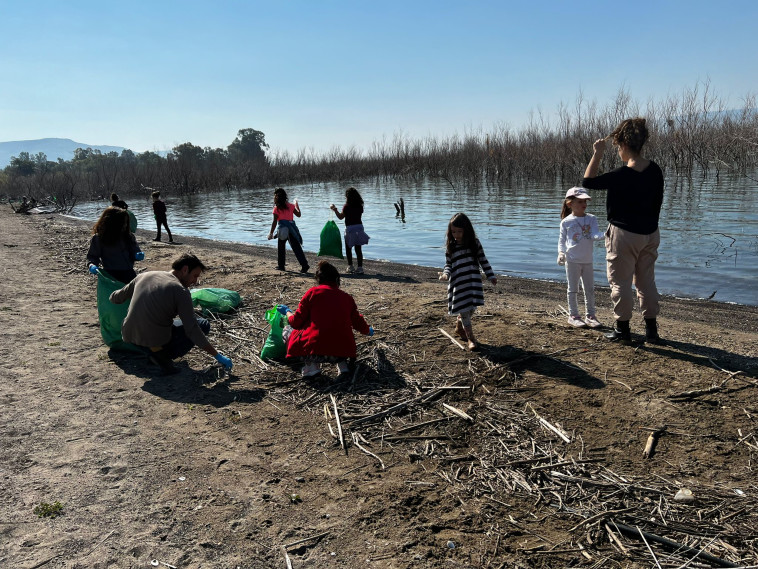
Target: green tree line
(690,132)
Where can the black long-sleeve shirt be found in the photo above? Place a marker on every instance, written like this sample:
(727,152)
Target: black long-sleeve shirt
(634,199)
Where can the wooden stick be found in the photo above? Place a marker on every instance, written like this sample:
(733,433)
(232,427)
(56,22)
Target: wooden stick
(547,424)
(636,533)
(299,541)
(286,557)
(398,407)
(339,423)
(453,340)
(368,452)
(458,412)
(652,440)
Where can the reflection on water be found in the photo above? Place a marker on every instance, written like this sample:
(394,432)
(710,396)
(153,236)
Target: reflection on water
(709,232)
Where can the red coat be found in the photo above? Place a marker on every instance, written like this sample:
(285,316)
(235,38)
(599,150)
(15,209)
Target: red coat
(323,324)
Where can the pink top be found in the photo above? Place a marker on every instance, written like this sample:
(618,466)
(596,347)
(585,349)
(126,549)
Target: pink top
(286,214)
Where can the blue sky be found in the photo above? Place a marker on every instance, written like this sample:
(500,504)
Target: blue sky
(150,75)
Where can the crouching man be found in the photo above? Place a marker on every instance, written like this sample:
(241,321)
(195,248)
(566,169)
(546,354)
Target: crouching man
(158,297)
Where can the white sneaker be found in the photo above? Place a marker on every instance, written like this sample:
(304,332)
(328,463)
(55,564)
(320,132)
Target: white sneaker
(592,322)
(309,370)
(576,322)
(343,367)
(359,271)
(350,270)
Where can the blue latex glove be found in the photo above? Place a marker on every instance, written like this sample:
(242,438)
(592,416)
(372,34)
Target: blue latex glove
(139,256)
(282,309)
(223,360)
(93,269)
(370,330)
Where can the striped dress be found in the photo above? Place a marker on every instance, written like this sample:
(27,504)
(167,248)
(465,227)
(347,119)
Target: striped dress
(464,289)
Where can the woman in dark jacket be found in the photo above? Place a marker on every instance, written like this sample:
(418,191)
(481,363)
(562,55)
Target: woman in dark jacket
(633,206)
(114,246)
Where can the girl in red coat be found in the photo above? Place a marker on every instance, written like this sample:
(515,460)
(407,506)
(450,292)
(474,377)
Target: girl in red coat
(323,323)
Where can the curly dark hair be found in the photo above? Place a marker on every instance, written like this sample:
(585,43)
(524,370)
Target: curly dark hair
(112,225)
(632,133)
(327,273)
(461,221)
(280,198)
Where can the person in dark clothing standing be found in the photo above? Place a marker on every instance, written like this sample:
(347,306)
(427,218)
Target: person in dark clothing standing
(633,206)
(354,234)
(159,210)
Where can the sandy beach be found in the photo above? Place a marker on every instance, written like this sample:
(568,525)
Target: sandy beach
(523,454)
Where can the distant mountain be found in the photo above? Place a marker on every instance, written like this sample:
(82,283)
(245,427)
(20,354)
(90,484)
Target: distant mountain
(53,148)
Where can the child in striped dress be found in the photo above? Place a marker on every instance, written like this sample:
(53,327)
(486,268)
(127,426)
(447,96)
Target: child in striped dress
(463,258)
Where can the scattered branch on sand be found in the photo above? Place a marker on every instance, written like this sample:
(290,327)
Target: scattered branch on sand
(453,340)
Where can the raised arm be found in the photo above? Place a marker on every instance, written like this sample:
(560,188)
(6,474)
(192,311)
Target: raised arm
(598,148)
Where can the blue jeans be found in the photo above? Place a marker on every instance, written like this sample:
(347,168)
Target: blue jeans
(180,344)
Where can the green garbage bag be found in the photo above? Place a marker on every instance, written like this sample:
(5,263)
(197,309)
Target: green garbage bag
(110,315)
(331,241)
(132,221)
(215,299)
(274,347)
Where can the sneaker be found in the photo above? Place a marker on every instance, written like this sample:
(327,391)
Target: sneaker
(305,269)
(576,322)
(164,362)
(359,270)
(279,268)
(343,367)
(157,239)
(309,370)
(592,322)
(350,270)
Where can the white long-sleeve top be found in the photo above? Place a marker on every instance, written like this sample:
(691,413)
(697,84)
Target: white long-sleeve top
(578,235)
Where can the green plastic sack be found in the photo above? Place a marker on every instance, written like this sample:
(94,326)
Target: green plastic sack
(215,299)
(331,241)
(274,347)
(110,315)
(132,221)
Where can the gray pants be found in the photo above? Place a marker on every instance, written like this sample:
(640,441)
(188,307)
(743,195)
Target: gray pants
(630,258)
(574,273)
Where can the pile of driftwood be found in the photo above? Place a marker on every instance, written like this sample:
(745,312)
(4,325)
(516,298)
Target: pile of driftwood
(494,447)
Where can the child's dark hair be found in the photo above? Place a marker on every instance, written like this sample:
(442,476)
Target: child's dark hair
(353,198)
(156,194)
(112,226)
(114,197)
(280,198)
(631,133)
(327,273)
(461,221)
(188,260)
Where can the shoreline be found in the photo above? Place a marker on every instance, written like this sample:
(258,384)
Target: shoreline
(404,269)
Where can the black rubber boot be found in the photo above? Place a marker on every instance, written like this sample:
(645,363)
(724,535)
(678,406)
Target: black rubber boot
(651,332)
(621,333)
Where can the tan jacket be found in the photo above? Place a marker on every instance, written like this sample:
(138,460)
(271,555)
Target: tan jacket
(157,298)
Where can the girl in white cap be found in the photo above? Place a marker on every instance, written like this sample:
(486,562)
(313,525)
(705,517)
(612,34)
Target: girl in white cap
(579,231)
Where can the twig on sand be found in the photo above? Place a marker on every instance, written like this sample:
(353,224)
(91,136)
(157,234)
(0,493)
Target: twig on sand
(453,340)
(299,541)
(368,452)
(339,423)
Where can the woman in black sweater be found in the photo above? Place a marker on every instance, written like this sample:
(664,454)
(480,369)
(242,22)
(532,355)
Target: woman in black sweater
(633,206)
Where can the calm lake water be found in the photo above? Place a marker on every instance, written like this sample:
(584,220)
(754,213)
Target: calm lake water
(709,231)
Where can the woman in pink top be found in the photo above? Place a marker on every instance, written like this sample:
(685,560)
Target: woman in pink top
(286,230)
